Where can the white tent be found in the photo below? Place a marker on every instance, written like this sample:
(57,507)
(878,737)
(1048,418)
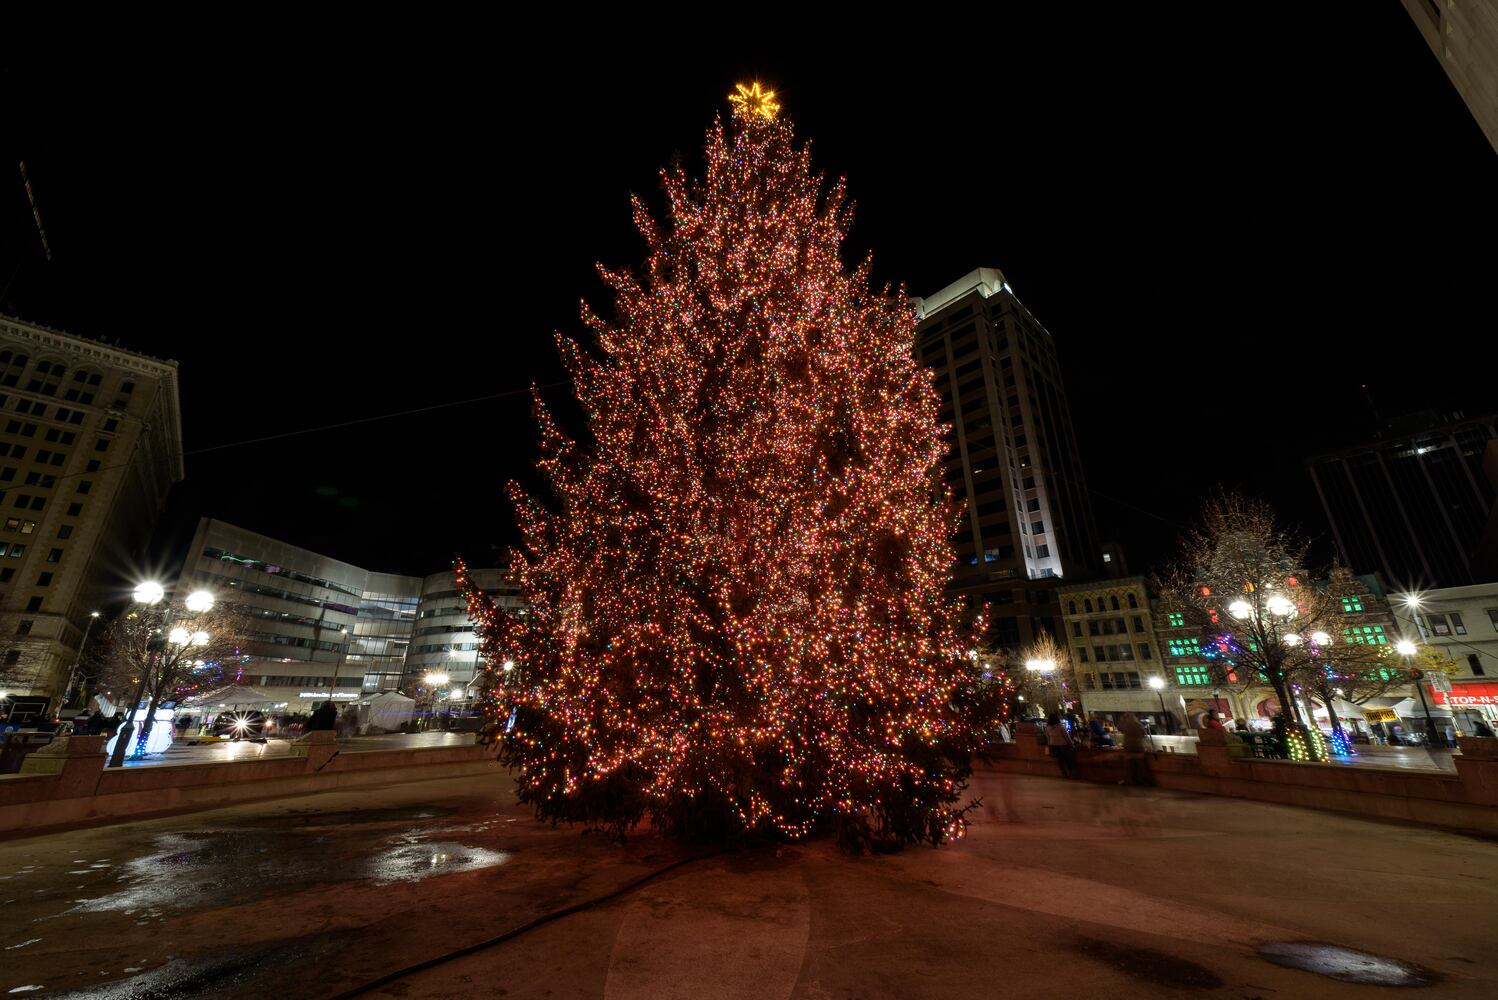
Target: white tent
(385,712)
(232,696)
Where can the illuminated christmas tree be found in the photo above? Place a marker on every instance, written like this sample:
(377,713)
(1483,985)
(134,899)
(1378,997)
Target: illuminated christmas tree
(736,619)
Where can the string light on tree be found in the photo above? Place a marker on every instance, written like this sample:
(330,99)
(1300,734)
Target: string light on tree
(736,616)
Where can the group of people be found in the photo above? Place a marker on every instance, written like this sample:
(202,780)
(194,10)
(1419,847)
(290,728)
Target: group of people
(1063,735)
(97,724)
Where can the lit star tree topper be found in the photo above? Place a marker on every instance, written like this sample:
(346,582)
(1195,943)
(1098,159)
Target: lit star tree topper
(750,101)
(736,613)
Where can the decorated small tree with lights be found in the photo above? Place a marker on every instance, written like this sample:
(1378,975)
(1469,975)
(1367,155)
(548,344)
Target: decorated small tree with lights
(736,619)
(1366,662)
(1243,587)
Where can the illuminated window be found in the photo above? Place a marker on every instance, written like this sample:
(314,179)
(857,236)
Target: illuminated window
(1365,635)
(1192,675)
(1352,604)
(1183,647)
(1176,618)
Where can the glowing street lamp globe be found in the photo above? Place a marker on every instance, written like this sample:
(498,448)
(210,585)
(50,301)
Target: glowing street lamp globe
(200,638)
(1240,609)
(199,601)
(1321,638)
(1404,647)
(1281,605)
(149,592)
(178,637)
(1157,682)
(1040,666)
(436,679)
(1291,639)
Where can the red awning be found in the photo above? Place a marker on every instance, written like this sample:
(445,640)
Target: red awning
(1463,695)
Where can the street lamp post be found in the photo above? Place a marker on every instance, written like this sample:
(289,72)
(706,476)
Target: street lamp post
(150,593)
(67,692)
(1045,669)
(434,680)
(1406,649)
(1158,683)
(338,665)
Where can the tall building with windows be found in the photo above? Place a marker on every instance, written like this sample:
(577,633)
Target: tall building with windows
(382,632)
(322,627)
(1463,35)
(90,444)
(1013,456)
(1109,630)
(444,641)
(1412,505)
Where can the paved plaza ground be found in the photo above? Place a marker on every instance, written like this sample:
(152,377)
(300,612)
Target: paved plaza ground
(1061,890)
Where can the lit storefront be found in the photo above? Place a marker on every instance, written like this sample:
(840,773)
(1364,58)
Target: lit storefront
(1468,702)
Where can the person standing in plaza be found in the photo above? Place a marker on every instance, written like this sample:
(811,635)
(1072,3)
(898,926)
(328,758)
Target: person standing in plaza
(1058,740)
(325,716)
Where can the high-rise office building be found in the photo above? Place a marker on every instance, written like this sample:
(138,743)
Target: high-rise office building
(321,626)
(1013,458)
(444,641)
(318,627)
(1411,505)
(1463,34)
(90,444)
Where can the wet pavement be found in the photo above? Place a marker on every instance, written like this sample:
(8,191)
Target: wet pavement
(1346,964)
(184,751)
(1401,759)
(1061,889)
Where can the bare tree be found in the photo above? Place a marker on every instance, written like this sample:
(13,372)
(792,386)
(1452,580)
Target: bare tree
(180,653)
(1244,589)
(1040,686)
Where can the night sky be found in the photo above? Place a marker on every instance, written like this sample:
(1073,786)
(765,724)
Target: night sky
(1228,226)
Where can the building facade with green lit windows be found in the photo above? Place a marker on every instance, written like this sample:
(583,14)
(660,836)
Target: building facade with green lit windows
(90,445)
(1371,622)
(1119,636)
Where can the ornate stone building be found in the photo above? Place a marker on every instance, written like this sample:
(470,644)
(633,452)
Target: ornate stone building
(90,444)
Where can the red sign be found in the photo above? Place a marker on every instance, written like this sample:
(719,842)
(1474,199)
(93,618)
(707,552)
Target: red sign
(1467,694)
